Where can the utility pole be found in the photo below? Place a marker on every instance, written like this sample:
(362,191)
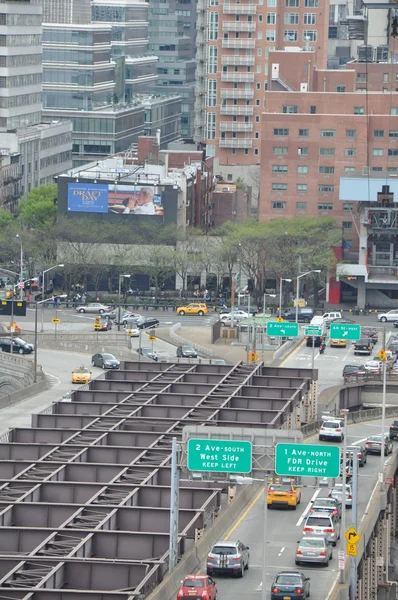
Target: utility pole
(354,515)
(174,505)
(383,414)
(344,491)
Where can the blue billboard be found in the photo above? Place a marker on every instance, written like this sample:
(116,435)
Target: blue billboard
(88,197)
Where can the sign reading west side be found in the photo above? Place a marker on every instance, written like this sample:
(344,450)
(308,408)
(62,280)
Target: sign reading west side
(219,456)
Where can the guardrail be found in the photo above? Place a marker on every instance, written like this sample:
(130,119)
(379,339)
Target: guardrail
(178,339)
(363,377)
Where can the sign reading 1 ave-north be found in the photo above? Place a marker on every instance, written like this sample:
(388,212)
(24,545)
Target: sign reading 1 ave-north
(306,460)
(220,456)
(345,331)
(284,329)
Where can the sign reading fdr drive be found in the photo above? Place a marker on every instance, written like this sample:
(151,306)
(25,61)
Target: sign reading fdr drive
(307,460)
(219,456)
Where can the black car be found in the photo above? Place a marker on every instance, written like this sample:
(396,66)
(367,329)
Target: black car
(353,370)
(186,352)
(314,340)
(363,346)
(371,333)
(393,346)
(394,430)
(105,361)
(146,323)
(148,353)
(362,454)
(290,584)
(18,346)
(105,325)
(305,315)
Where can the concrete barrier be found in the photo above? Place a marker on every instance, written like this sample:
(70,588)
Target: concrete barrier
(177,339)
(16,373)
(286,348)
(24,393)
(92,343)
(192,560)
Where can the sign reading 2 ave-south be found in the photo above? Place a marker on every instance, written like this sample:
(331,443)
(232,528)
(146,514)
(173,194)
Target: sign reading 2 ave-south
(345,331)
(306,460)
(284,329)
(219,456)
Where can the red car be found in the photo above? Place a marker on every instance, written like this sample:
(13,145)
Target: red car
(197,587)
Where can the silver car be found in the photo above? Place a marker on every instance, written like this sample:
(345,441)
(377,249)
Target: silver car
(314,550)
(93,307)
(322,524)
(330,505)
(337,492)
(228,557)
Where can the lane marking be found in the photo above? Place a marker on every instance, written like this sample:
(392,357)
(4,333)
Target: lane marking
(282,549)
(292,354)
(239,521)
(307,508)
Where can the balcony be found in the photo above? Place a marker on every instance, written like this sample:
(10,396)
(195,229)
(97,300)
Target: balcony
(239,9)
(235,127)
(236,143)
(239,43)
(378,272)
(236,110)
(237,94)
(237,77)
(237,61)
(380,218)
(238,26)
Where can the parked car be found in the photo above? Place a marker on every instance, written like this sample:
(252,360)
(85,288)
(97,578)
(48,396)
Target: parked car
(104,325)
(353,370)
(81,375)
(363,346)
(19,346)
(146,323)
(228,557)
(391,315)
(373,444)
(148,353)
(197,587)
(290,584)
(195,308)
(105,361)
(314,550)
(93,307)
(305,315)
(186,352)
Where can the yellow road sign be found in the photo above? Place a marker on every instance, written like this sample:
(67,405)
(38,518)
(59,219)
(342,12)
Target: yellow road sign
(382,355)
(352,536)
(97,326)
(280,320)
(352,549)
(253,357)
(152,338)
(56,321)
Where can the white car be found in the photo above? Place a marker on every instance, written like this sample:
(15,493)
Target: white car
(93,307)
(337,492)
(133,331)
(373,366)
(391,315)
(331,429)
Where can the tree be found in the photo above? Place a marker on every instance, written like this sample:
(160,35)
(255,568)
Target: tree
(37,210)
(158,263)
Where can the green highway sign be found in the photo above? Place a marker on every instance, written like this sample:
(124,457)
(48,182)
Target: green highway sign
(306,460)
(284,329)
(219,456)
(313,330)
(345,331)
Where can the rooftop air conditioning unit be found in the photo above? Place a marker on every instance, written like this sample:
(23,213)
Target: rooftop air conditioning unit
(382,54)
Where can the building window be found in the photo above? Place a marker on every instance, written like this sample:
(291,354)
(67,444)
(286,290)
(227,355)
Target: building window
(257,119)
(271,35)
(291,19)
(310,35)
(362,77)
(271,3)
(351,133)
(393,134)
(394,110)
(324,189)
(303,151)
(303,132)
(230,177)
(332,34)
(348,169)
(327,151)
(392,152)
(301,205)
(301,187)
(347,224)
(378,133)
(326,170)
(289,108)
(377,169)
(281,131)
(280,205)
(350,151)
(211,92)
(279,168)
(378,152)
(290,35)
(309,18)
(212,52)
(260,17)
(311,3)
(392,169)
(271,18)
(328,133)
(340,89)
(347,207)
(212,25)
(325,206)
(292,3)
(280,150)
(301,170)
(359,110)
(313,110)
(256,151)
(279,187)
(385,77)
(211,126)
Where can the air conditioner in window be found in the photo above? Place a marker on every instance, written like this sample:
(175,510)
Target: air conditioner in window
(365,171)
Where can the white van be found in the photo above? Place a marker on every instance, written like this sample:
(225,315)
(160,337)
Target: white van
(329,316)
(317,321)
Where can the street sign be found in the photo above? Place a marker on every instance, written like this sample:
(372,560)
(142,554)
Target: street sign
(345,331)
(307,460)
(280,320)
(219,456)
(313,330)
(56,321)
(382,354)
(96,325)
(341,559)
(275,329)
(21,285)
(152,338)
(253,357)
(352,536)
(351,549)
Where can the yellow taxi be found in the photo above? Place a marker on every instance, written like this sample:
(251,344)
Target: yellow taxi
(283,492)
(338,343)
(8,293)
(195,308)
(81,375)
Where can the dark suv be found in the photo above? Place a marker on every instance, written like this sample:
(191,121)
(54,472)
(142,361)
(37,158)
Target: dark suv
(18,346)
(304,315)
(363,346)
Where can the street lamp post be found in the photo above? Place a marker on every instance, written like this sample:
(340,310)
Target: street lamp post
(344,412)
(280,293)
(118,302)
(21,268)
(42,292)
(298,288)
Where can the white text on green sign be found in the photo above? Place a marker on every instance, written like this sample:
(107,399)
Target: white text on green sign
(307,460)
(229,456)
(282,329)
(345,331)
(313,330)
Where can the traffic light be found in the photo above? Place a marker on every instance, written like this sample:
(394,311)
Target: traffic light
(250,286)
(394,27)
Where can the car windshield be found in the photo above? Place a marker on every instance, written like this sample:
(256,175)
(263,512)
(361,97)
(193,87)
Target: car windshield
(280,488)
(312,543)
(81,370)
(224,550)
(318,522)
(288,579)
(375,438)
(108,357)
(188,349)
(195,583)
(325,502)
(331,425)
(19,341)
(146,351)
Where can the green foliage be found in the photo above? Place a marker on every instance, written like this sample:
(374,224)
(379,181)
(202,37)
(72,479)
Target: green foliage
(240,183)
(37,210)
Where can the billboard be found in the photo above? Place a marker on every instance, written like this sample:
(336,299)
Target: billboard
(115,198)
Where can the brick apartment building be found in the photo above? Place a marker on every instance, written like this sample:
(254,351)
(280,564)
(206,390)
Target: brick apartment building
(341,121)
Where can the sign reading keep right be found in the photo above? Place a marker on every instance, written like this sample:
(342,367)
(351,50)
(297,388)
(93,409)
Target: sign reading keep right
(306,460)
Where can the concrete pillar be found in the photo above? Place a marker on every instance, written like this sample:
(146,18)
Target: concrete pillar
(363,243)
(361,299)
